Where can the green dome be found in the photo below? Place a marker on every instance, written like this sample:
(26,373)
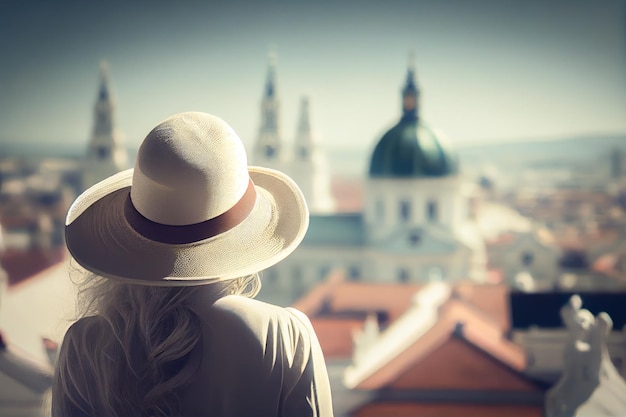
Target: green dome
(412,150)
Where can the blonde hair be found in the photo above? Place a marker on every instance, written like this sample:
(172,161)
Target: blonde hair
(132,350)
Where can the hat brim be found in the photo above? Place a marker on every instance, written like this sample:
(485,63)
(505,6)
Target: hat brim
(101,240)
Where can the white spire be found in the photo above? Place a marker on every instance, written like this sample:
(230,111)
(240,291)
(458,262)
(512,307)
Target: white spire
(106,154)
(304,138)
(268,147)
(104,123)
(309,165)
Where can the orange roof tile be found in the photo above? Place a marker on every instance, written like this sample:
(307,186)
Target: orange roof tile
(327,305)
(22,265)
(335,335)
(393,299)
(335,295)
(493,300)
(605,263)
(456,318)
(483,333)
(313,301)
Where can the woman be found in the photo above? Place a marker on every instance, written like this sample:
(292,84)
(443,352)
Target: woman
(172,250)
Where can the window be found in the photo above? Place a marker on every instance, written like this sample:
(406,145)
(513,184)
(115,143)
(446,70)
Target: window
(405,211)
(270,151)
(324,271)
(527,258)
(102,152)
(403,275)
(415,238)
(354,273)
(432,211)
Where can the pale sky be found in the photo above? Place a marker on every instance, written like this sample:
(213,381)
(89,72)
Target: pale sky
(488,70)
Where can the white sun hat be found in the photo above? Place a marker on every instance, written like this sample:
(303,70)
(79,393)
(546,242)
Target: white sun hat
(190,212)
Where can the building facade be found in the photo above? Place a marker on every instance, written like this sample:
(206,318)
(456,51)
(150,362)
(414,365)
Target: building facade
(302,159)
(415,226)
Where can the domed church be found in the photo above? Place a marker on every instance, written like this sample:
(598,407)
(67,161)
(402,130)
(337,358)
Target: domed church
(416,224)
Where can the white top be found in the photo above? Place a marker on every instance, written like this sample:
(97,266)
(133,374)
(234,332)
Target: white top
(262,360)
(257,360)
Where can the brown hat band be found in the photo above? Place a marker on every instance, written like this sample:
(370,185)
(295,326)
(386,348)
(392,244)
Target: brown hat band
(193,232)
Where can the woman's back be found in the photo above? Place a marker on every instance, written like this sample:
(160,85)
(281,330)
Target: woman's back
(252,359)
(257,359)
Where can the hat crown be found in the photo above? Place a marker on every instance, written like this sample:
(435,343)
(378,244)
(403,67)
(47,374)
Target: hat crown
(190,168)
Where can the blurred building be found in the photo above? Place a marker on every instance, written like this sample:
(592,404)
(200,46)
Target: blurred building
(572,238)
(303,161)
(416,224)
(527,260)
(33,203)
(466,349)
(106,154)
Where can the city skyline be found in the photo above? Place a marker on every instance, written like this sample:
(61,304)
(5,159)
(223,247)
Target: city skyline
(487,71)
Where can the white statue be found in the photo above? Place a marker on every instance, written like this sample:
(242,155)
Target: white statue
(587,367)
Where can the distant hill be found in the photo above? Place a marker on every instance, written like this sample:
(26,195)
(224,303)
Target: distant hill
(581,148)
(40,150)
(354,162)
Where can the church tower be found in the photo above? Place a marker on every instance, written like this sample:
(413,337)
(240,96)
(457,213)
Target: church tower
(410,95)
(106,154)
(308,165)
(415,204)
(268,150)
